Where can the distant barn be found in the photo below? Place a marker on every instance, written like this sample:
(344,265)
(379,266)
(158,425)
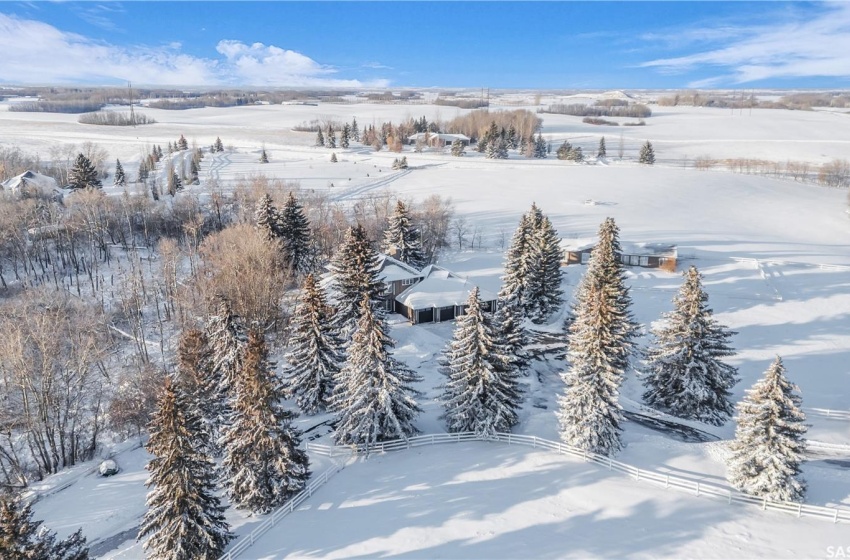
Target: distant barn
(646,255)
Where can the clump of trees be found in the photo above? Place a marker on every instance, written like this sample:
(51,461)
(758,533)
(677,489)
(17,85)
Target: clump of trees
(114,118)
(634,110)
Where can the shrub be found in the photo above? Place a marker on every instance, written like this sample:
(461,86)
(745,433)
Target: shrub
(597,120)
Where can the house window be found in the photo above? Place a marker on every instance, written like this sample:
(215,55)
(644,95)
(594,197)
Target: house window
(388,287)
(644,261)
(409,281)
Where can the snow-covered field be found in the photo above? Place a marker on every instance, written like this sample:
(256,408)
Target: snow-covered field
(776,260)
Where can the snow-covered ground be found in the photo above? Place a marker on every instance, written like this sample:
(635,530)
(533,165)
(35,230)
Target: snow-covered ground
(776,260)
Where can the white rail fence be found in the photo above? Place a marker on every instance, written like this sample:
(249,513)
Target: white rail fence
(696,487)
(827,413)
(247,541)
(692,486)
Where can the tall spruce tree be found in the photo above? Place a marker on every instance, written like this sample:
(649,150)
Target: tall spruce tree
(195,378)
(355,275)
(120,178)
(402,239)
(685,374)
(601,340)
(355,130)
(226,338)
(647,154)
(182,144)
(544,294)
(83,174)
(457,148)
(266,217)
(511,335)
(345,136)
(374,395)
(264,157)
(262,465)
(514,282)
(482,394)
(320,138)
(315,352)
(294,231)
(330,137)
(218,146)
(769,440)
(602,151)
(21,538)
(185,519)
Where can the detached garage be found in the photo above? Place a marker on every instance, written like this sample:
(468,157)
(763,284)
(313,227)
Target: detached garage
(441,296)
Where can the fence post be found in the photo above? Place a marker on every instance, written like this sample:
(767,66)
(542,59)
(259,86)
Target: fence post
(610,464)
(697,488)
(835,519)
(730,497)
(666,481)
(534,442)
(799,510)
(763,504)
(638,474)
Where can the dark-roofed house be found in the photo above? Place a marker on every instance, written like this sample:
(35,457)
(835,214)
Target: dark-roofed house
(441,296)
(646,255)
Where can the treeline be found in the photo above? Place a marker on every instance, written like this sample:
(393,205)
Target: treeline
(115,118)
(636,110)
(835,173)
(476,123)
(67,106)
(742,100)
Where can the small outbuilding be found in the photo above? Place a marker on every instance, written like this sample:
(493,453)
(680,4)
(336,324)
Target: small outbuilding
(32,184)
(646,255)
(441,296)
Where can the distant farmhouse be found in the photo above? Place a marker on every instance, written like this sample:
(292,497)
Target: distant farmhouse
(646,255)
(431,295)
(437,140)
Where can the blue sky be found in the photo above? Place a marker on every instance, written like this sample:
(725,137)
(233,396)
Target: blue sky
(594,45)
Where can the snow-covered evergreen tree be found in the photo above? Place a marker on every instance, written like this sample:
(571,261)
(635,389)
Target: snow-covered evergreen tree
(185,519)
(482,393)
(262,465)
(194,170)
(374,395)
(601,340)
(769,440)
(602,151)
(218,146)
(355,130)
(345,136)
(320,138)
(182,144)
(402,238)
(266,217)
(565,151)
(514,282)
(510,333)
(540,147)
(195,378)
(512,138)
(543,294)
(315,352)
(264,157)
(120,178)
(685,374)
(355,275)
(83,175)
(21,538)
(330,138)
(226,338)
(501,149)
(333,157)
(647,154)
(294,232)
(457,148)
(174,182)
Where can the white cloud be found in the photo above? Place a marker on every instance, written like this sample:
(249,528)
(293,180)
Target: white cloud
(34,52)
(813,46)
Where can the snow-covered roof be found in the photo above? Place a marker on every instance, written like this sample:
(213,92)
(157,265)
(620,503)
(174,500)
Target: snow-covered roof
(32,180)
(440,288)
(392,270)
(646,249)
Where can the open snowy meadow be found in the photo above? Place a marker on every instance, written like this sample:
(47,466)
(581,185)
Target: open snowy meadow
(775,255)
